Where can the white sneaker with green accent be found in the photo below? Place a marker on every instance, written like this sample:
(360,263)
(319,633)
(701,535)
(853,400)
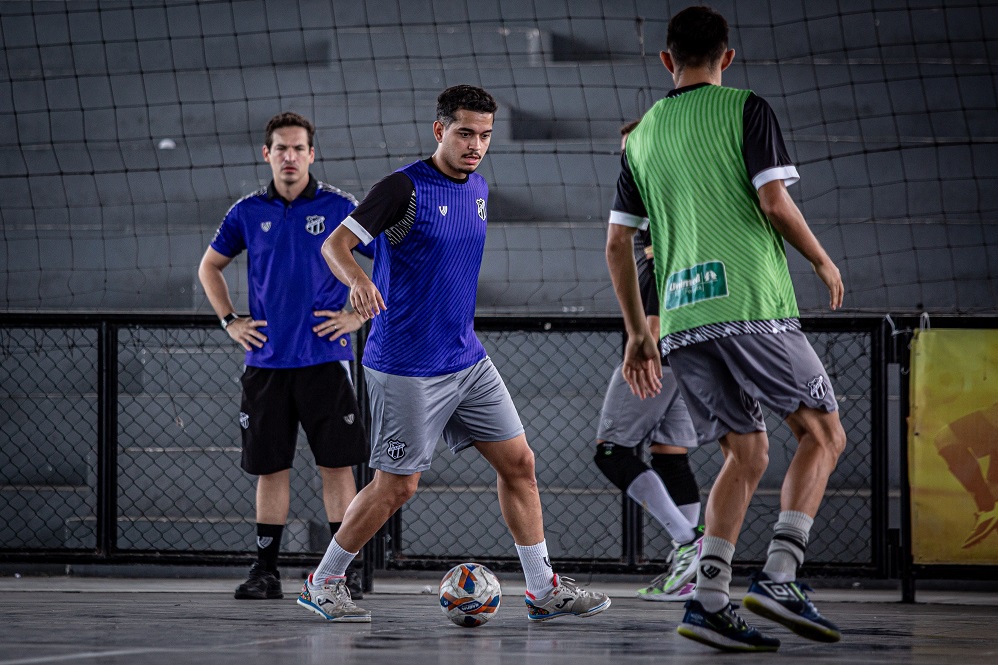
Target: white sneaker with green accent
(682,572)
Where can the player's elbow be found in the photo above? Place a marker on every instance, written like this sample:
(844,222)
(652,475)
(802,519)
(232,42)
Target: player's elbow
(618,246)
(207,270)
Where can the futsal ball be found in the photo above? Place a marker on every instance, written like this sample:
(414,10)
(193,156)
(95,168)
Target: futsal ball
(469,594)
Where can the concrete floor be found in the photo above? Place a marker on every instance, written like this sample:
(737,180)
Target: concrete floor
(159,621)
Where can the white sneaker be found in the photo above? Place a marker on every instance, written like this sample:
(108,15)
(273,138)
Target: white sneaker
(565,599)
(683,571)
(332,601)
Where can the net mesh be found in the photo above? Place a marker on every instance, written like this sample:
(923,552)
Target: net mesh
(129,128)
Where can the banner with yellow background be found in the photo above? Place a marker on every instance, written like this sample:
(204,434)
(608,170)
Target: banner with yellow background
(953,446)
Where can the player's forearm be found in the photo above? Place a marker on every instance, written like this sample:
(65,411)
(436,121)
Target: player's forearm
(337,250)
(624,274)
(216,289)
(787,219)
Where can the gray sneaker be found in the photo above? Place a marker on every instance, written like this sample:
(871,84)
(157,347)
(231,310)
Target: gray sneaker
(332,601)
(564,599)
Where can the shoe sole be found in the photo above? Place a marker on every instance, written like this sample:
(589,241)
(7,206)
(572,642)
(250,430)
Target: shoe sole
(253,596)
(664,597)
(596,610)
(718,641)
(773,611)
(357,618)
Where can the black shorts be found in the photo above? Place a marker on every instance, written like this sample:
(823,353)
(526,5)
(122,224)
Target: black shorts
(320,397)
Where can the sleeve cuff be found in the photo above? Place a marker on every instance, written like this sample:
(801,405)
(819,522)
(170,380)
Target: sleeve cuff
(788,174)
(357,230)
(627,219)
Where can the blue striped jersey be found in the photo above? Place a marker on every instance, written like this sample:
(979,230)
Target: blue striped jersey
(287,277)
(429,235)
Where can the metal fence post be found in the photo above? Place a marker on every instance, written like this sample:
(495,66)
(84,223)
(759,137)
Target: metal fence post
(107,439)
(879,464)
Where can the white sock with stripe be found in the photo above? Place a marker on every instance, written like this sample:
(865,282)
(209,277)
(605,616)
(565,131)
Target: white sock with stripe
(536,568)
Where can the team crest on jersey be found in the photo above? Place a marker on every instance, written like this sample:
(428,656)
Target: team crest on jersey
(817,387)
(265,226)
(481,208)
(244,420)
(315,224)
(396,449)
(348,419)
(443,210)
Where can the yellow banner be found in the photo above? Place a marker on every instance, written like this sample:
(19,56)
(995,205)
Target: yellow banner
(953,446)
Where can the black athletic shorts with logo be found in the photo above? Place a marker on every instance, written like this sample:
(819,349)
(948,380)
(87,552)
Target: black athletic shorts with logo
(320,397)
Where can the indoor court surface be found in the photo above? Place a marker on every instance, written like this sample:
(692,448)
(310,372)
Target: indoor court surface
(117,621)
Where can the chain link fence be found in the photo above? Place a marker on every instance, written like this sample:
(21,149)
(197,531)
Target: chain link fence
(179,488)
(48,425)
(557,381)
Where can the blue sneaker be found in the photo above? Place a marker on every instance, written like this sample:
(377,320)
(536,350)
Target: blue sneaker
(787,604)
(723,630)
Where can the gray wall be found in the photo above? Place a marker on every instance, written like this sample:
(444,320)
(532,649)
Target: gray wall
(887,106)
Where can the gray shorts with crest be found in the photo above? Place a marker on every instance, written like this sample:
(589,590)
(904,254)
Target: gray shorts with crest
(726,380)
(409,414)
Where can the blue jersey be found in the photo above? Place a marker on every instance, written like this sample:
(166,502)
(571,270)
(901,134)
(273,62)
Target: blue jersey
(288,278)
(429,236)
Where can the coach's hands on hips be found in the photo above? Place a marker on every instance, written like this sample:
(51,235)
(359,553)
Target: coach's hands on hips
(245,332)
(642,366)
(366,300)
(337,323)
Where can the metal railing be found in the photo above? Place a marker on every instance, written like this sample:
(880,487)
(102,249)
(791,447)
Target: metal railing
(120,444)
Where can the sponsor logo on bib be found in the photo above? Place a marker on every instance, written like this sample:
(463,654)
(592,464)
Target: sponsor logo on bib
(704,281)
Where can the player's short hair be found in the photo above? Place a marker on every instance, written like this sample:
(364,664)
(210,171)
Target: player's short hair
(627,128)
(697,36)
(289,119)
(467,97)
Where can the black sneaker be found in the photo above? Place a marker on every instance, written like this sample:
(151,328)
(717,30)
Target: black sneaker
(355,582)
(723,630)
(787,604)
(261,585)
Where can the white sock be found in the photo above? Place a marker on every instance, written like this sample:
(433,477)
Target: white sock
(536,568)
(786,551)
(334,562)
(714,573)
(691,511)
(649,490)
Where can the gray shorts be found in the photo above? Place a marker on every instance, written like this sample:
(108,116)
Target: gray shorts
(630,422)
(410,413)
(725,380)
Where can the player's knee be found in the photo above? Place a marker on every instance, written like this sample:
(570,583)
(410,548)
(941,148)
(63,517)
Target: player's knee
(832,438)
(396,490)
(518,467)
(838,441)
(620,465)
(751,460)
